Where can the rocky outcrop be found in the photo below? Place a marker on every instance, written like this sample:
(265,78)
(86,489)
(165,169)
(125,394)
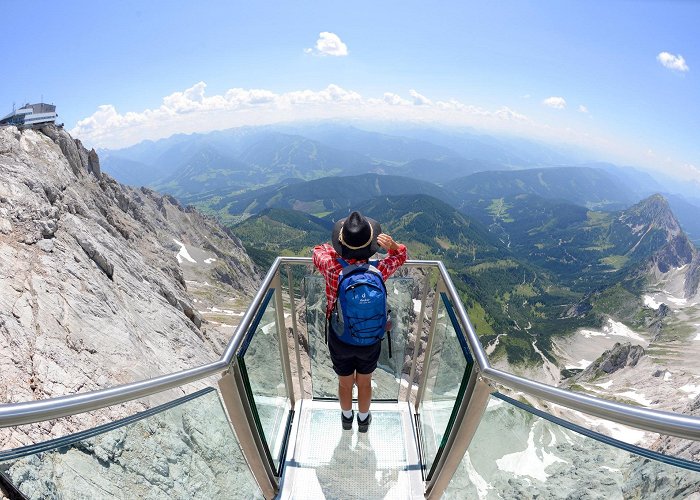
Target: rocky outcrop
(655,324)
(578,310)
(645,478)
(678,252)
(94,164)
(612,360)
(656,227)
(692,277)
(91,292)
(689,450)
(652,212)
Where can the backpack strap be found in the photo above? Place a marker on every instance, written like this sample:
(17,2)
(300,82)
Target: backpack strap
(347,269)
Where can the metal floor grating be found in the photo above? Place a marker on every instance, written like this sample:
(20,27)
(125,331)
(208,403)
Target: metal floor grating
(324,461)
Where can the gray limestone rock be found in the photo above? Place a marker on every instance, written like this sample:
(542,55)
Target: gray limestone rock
(45,245)
(188,451)
(5,226)
(94,164)
(91,249)
(83,265)
(70,151)
(612,360)
(676,253)
(83,154)
(645,478)
(655,325)
(692,280)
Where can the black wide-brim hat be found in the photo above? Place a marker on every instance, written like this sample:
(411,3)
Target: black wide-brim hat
(355,237)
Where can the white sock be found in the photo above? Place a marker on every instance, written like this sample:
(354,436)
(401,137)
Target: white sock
(347,413)
(362,416)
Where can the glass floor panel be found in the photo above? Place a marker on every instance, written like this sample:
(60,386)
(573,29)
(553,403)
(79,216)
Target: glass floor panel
(324,461)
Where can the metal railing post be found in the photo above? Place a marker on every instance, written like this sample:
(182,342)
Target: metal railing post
(282,334)
(295,332)
(419,333)
(439,287)
(471,410)
(241,417)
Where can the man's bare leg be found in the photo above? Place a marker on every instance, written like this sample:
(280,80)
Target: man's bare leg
(364,391)
(345,384)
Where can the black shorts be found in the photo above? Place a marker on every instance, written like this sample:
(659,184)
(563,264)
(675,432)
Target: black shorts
(348,359)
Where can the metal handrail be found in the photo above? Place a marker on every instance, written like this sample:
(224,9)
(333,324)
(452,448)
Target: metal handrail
(663,422)
(36,411)
(652,420)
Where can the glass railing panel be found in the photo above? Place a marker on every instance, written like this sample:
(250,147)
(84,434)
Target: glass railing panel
(183,449)
(520,452)
(400,293)
(386,381)
(324,382)
(445,382)
(260,360)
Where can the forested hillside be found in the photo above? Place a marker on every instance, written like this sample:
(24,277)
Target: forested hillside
(526,266)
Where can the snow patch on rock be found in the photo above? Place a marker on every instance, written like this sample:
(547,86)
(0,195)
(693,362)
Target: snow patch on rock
(183,254)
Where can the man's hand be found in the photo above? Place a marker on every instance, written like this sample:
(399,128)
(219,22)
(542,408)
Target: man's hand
(387,242)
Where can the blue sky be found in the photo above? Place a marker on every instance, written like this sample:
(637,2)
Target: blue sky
(617,77)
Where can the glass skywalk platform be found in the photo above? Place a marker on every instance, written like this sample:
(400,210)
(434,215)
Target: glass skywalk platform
(445,423)
(324,461)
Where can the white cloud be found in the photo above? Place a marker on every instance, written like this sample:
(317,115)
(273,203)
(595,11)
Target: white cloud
(395,100)
(331,94)
(244,97)
(674,62)
(329,44)
(192,110)
(555,102)
(582,108)
(505,113)
(418,99)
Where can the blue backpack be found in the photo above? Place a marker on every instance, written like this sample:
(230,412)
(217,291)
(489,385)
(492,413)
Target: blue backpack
(360,312)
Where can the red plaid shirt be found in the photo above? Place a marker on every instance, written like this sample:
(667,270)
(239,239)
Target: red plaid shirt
(326,261)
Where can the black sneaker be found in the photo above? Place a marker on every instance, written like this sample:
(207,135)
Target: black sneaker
(347,421)
(363,425)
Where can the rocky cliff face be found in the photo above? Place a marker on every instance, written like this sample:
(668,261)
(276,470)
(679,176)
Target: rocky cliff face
(652,212)
(652,219)
(93,289)
(612,360)
(183,452)
(692,279)
(647,478)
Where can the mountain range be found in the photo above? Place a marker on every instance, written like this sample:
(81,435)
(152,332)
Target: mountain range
(215,171)
(312,150)
(538,243)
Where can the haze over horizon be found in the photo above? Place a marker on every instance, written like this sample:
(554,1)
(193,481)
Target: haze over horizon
(616,79)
